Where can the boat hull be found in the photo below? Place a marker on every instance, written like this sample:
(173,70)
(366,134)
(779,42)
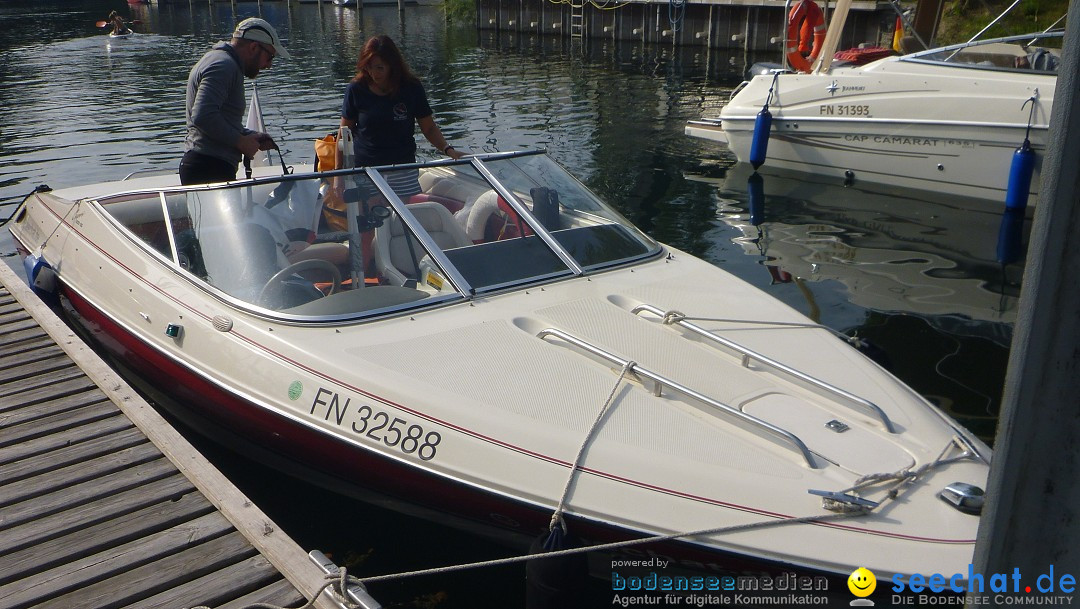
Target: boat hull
(475,408)
(964,161)
(253,431)
(934,127)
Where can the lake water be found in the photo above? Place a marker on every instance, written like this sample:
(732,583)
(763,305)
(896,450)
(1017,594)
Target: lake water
(917,275)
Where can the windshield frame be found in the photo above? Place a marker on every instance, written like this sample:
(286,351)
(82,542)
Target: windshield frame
(928,56)
(461,290)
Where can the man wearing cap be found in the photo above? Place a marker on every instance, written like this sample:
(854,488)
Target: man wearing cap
(217,139)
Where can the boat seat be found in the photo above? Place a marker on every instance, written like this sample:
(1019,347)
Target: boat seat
(452,205)
(446,187)
(393,259)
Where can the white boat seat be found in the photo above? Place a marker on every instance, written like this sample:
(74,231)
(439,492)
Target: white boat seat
(393,259)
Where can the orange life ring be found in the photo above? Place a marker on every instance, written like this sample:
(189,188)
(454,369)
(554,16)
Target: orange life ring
(805,21)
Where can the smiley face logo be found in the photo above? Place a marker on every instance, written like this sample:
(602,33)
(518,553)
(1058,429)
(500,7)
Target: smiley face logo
(862,582)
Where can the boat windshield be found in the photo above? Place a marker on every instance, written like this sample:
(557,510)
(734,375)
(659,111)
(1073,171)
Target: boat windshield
(342,244)
(1038,52)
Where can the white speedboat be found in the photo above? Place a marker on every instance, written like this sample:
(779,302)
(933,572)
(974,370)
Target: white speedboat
(944,120)
(508,350)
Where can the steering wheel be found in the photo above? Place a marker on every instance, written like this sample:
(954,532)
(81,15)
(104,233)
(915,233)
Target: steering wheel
(274,283)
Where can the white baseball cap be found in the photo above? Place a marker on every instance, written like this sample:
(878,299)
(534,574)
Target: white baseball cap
(259,30)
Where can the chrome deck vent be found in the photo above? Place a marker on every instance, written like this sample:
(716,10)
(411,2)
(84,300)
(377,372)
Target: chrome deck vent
(837,426)
(964,497)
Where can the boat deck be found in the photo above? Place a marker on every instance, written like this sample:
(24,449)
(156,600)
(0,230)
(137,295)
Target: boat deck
(103,504)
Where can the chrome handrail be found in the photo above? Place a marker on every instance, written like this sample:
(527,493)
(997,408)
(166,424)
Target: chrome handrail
(780,436)
(749,354)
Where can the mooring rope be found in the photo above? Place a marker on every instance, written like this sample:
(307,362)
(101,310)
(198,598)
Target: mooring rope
(609,546)
(556,517)
(841,510)
(341,580)
(904,476)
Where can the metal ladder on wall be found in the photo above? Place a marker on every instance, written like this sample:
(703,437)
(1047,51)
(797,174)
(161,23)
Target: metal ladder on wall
(577,19)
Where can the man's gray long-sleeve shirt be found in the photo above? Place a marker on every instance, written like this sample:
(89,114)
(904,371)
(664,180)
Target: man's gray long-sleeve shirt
(215,105)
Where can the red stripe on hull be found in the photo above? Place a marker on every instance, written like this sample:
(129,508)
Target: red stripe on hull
(358,472)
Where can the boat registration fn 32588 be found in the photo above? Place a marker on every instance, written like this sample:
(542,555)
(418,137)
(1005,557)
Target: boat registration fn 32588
(375,424)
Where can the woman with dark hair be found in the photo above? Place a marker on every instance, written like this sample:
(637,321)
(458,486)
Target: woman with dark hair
(119,28)
(382,103)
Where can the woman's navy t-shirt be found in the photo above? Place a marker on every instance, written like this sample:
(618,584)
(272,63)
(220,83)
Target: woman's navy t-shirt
(385,132)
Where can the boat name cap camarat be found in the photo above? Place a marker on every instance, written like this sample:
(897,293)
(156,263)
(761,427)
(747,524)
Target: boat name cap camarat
(259,30)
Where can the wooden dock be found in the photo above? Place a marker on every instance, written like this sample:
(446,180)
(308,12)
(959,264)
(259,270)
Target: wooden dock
(104,505)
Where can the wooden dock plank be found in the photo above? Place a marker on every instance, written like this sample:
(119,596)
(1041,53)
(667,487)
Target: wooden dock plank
(29,353)
(84,541)
(57,414)
(58,387)
(9,305)
(15,351)
(55,441)
(280,593)
(69,523)
(116,562)
(16,321)
(73,455)
(35,503)
(40,530)
(150,579)
(16,326)
(10,391)
(55,476)
(15,337)
(56,362)
(220,587)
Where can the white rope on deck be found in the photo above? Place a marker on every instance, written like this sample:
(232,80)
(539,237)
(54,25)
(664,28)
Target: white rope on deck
(902,477)
(556,517)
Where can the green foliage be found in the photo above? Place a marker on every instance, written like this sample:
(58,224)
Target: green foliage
(962,19)
(460,11)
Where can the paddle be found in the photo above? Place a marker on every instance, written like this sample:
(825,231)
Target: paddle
(105,23)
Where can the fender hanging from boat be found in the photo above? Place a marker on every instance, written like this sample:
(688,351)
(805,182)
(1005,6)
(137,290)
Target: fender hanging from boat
(805,21)
(41,277)
(1010,235)
(1022,165)
(759,144)
(1020,172)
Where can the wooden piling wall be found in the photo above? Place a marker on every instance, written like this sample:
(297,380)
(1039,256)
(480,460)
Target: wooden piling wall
(725,24)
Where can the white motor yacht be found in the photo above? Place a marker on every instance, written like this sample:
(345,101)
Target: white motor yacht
(943,120)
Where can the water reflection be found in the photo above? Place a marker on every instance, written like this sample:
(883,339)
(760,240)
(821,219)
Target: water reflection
(943,274)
